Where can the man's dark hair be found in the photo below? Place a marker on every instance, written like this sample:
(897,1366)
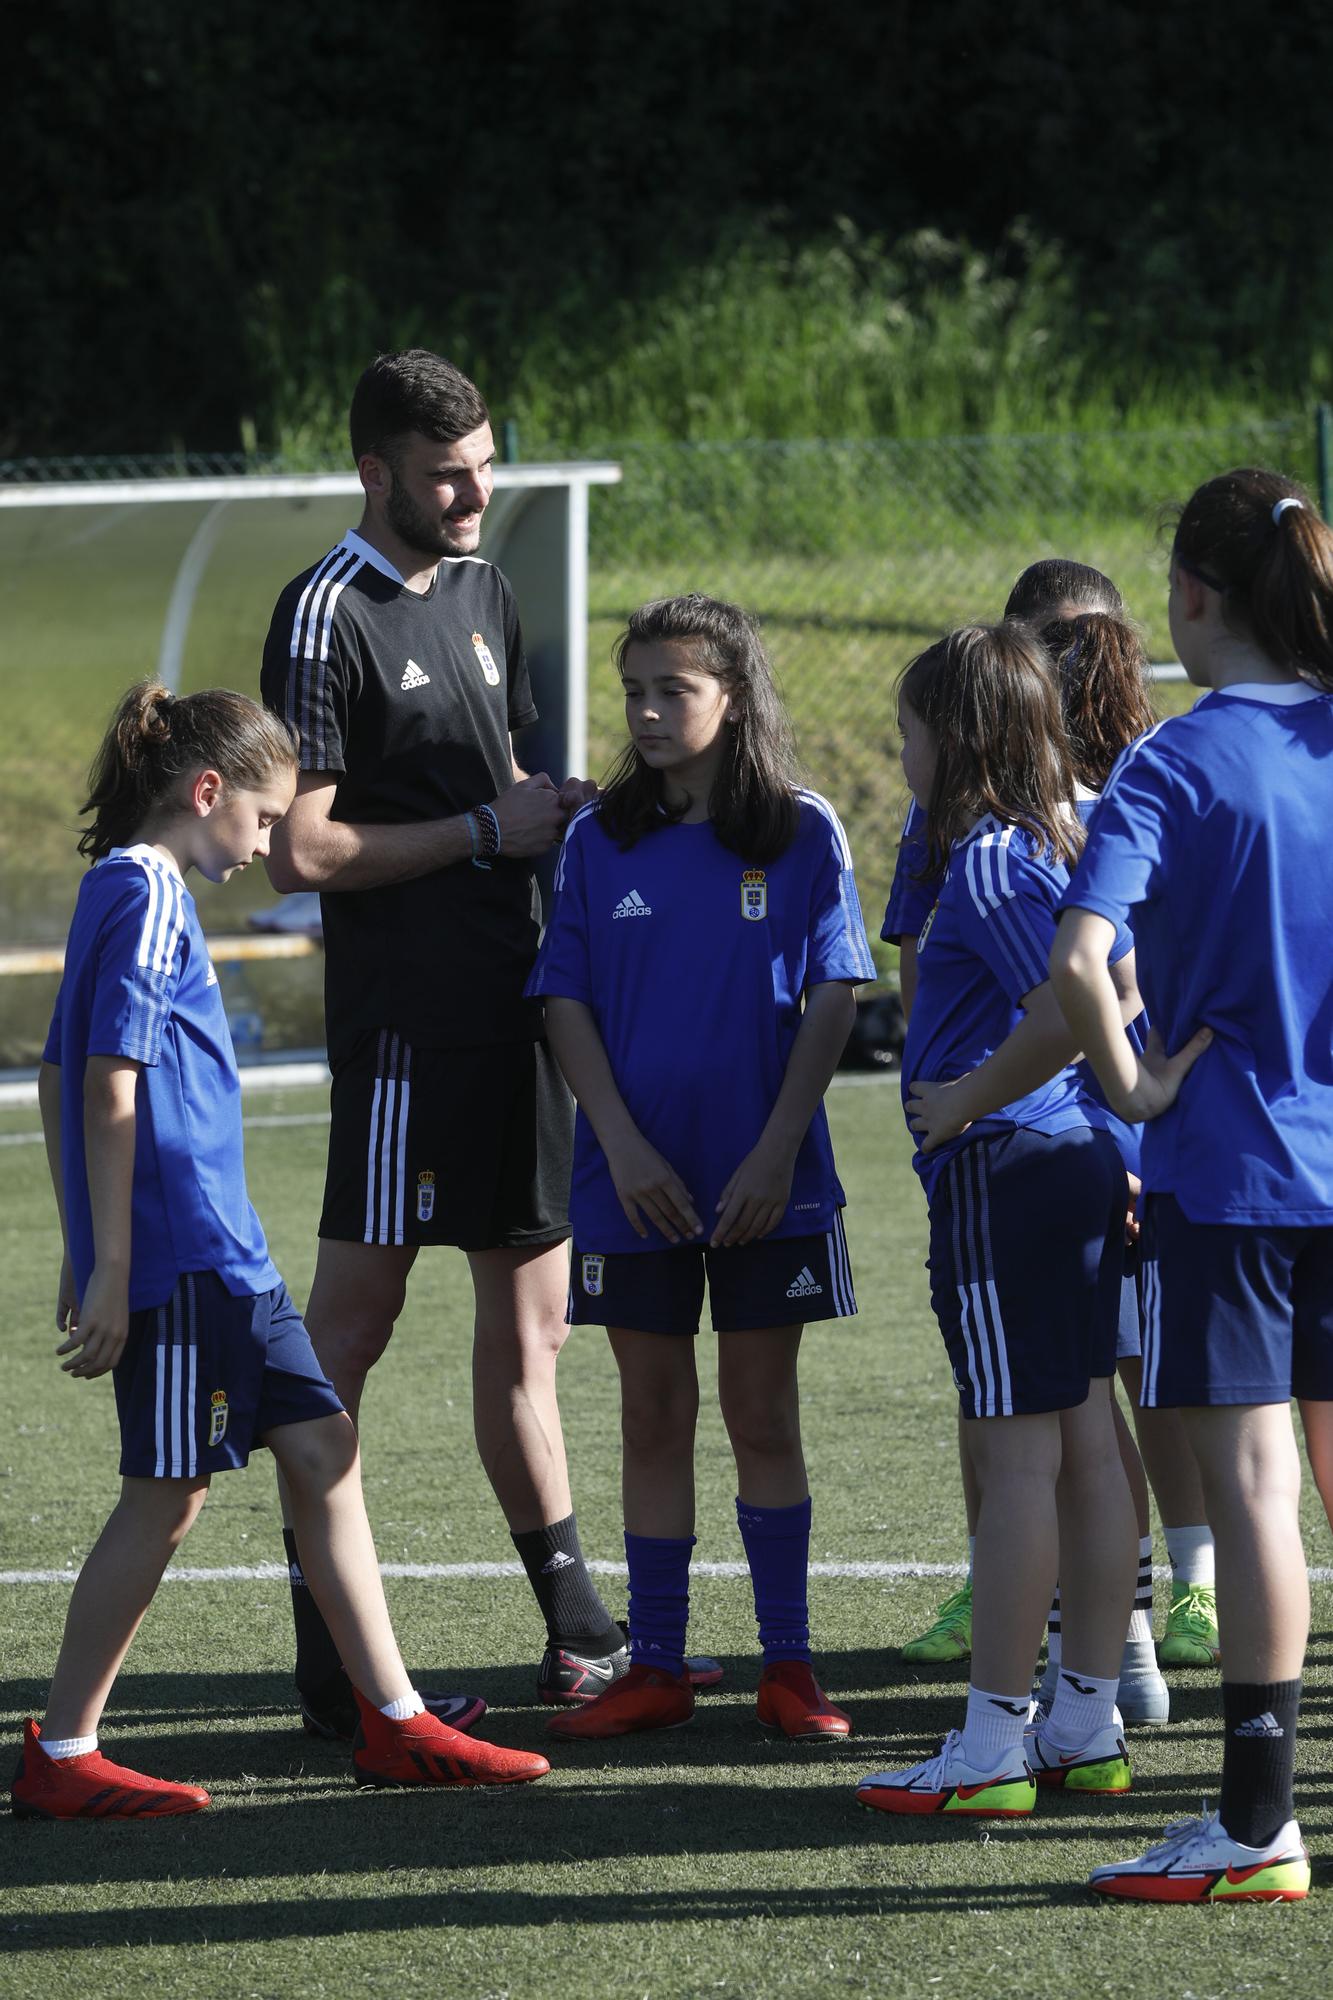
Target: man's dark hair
(413,390)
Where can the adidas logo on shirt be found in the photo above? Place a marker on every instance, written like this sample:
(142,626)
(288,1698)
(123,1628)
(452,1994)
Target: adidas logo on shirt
(632,905)
(560,1560)
(1260,1725)
(413,677)
(804,1286)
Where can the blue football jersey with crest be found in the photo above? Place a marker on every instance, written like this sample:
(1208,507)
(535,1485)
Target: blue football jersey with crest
(984,946)
(1213,833)
(693,962)
(138,982)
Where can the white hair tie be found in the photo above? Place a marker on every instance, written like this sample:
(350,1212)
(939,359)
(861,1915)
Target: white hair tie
(1282,507)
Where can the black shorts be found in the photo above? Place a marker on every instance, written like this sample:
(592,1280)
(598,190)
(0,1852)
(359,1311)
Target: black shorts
(779,1281)
(463,1146)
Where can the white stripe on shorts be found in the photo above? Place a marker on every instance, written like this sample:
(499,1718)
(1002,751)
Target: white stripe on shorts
(1152,1333)
(840,1268)
(386,1155)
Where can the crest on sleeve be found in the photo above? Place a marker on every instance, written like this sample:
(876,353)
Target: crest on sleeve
(593,1268)
(487,659)
(218,1414)
(754,896)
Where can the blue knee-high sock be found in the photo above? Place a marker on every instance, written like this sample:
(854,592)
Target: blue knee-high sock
(777,1548)
(659,1599)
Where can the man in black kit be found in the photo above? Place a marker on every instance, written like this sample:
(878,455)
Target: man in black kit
(398,657)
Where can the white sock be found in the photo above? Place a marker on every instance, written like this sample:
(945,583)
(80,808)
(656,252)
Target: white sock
(971,1555)
(1139,1655)
(1083,1705)
(994,1726)
(60,1747)
(406,1706)
(1191,1553)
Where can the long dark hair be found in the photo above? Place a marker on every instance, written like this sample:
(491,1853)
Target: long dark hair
(1099,655)
(990,701)
(156,738)
(752,804)
(1273,569)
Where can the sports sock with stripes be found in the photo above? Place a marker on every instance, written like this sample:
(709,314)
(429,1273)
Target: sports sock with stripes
(659,1598)
(1192,1555)
(1051,1672)
(1140,1655)
(1083,1704)
(575,1615)
(1258,1758)
(317,1662)
(994,1727)
(777,1548)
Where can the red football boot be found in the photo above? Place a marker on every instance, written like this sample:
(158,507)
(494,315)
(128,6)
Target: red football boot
(92,1787)
(644,1698)
(426,1751)
(792,1701)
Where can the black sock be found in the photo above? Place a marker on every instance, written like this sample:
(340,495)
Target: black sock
(1258,1758)
(317,1661)
(575,1615)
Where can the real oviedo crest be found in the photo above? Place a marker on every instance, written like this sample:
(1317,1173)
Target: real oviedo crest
(754,896)
(425,1195)
(592,1276)
(217,1417)
(485,656)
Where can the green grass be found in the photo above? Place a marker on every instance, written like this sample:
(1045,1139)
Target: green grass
(710,1861)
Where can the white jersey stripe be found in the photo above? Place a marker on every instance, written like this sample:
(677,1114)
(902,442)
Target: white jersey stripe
(146,935)
(581,814)
(821,805)
(322,569)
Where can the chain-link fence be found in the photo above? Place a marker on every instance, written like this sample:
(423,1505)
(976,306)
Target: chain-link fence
(851,554)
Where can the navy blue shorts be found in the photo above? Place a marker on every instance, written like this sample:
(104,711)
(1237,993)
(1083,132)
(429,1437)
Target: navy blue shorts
(779,1281)
(1129,1334)
(1233,1314)
(1027,1259)
(206,1375)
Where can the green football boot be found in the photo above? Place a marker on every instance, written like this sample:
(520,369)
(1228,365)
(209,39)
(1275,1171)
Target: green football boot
(950,1637)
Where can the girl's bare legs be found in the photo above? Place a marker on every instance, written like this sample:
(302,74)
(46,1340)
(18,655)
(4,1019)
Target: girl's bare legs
(321,1467)
(1098,1536)
(1168,1457)
(115,1588)
(659,1407)
(1251,1482)
(1317,1422)
(761,1406)
(1017,1462)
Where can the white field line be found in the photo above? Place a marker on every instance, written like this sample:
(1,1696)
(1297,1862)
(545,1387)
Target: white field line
(856,1572)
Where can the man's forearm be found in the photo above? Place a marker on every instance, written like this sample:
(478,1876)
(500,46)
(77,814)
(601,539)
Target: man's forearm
(341,854)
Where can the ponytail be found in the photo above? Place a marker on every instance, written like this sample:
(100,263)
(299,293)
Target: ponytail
(157,738)
(1102,667)
(1257,538)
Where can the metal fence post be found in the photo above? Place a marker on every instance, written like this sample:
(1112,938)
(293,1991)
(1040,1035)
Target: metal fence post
(1323,457)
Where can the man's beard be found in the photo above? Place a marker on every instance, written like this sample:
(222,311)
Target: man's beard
(413,526)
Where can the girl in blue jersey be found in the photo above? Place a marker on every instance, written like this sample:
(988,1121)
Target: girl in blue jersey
(1213,831)
(698,969)
(1027,1198)
(1101,666)
(166,1280)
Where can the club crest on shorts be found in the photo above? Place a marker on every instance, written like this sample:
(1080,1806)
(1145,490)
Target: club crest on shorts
(218,1414)
(425,1195)
(593,1268)
(488,666)
(754,896)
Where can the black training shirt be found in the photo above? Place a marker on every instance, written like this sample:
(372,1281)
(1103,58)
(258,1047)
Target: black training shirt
(408,700)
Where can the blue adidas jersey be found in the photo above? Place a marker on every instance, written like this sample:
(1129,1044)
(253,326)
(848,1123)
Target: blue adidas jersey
(693,963)
(1213,832)
(984,946)
(912,896)
(138,983)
